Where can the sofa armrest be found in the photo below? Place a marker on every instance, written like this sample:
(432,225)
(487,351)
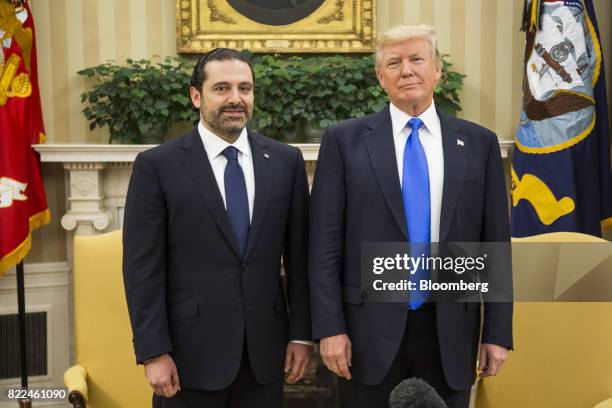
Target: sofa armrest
(604,404)
(75,379)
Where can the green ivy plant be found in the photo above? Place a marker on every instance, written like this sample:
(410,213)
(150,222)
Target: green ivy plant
(292,94)
(319,90)
(327,89)
(446,94)
(139,100)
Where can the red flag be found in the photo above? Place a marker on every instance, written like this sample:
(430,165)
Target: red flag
(23,206)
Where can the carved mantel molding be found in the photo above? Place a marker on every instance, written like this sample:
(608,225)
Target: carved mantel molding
(99,174)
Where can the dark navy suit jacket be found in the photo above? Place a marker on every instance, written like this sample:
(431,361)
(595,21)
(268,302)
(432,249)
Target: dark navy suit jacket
(357,198)
(189,292)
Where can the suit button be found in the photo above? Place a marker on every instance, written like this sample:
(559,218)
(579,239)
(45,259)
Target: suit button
(240,307)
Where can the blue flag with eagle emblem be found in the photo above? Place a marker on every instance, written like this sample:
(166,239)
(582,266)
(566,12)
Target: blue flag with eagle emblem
(561,177)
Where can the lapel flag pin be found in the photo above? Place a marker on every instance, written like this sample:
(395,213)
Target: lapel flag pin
(460,142)
(266,155)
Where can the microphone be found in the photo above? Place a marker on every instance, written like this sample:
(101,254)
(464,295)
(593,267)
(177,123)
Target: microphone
(415,393)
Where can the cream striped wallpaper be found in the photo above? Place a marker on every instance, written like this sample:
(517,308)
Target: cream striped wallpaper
(481,36)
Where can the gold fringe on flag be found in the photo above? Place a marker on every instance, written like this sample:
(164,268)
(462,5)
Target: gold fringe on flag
(14,257)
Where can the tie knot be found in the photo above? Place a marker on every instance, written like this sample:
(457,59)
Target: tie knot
(230,153)
(415,123)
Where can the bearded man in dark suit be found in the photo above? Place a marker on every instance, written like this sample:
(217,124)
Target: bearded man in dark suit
(207,219)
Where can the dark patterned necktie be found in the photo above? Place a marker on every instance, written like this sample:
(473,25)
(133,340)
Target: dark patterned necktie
(236,198)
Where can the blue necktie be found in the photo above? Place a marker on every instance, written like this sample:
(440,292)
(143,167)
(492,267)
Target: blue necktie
(236,198)
(415,192)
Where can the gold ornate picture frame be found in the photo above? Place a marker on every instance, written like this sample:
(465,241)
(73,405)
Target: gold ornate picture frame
(302,26)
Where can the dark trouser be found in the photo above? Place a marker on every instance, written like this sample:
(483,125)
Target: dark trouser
(418,356)
(244,391)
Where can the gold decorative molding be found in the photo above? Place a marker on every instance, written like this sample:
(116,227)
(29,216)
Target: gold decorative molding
(336,15)
(216,15)
(336,26)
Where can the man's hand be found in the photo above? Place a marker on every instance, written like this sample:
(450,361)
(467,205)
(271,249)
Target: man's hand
(492,357)
(296,361)
(336,354)
(162,375)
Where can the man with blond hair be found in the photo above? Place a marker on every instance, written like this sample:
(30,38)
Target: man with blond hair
(407,173)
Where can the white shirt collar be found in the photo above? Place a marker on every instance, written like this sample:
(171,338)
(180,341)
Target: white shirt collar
(214,145)
(399,119)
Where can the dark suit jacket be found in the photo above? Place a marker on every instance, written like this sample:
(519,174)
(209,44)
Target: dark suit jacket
(189,292)
(357,198)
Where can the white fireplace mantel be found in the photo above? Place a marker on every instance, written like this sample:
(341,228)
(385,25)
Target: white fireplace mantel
(98,177)
(117,153)
(109,153)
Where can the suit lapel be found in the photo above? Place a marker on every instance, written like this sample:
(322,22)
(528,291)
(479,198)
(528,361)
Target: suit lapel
(455,164)
(263,164)
(381,149)
(198,167)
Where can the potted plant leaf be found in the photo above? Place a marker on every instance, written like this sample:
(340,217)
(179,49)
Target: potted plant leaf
(296,97)
(138,101)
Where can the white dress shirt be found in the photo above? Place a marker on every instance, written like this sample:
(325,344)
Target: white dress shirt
(214,147)
(430,135)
